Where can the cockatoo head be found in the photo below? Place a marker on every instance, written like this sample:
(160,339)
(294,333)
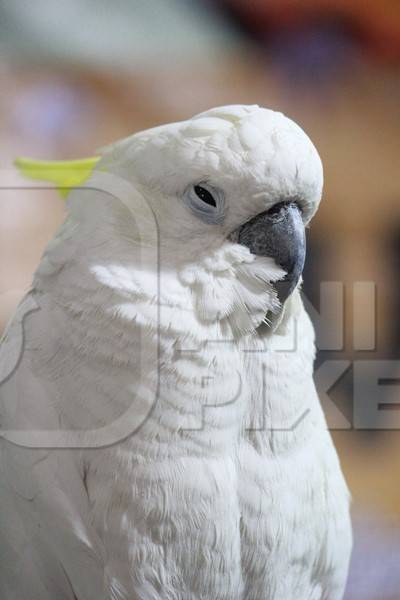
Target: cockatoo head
(232,190)
(229,193)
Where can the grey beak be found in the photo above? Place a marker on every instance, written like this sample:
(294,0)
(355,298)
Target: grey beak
(278,233)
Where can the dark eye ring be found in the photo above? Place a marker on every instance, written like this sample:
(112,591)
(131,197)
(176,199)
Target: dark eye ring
(204,195)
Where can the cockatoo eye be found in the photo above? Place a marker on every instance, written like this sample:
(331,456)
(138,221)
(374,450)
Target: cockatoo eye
(206,202)
(205,195)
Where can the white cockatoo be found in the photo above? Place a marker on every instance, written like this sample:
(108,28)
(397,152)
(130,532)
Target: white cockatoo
(162,437)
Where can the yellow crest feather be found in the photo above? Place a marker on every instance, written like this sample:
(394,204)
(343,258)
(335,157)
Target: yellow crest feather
(65,174)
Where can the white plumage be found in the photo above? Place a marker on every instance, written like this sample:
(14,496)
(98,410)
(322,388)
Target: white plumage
(231,488)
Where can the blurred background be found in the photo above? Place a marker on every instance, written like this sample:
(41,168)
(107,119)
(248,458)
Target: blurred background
(77,75)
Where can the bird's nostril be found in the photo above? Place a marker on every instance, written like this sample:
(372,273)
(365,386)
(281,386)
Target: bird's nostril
(276,208)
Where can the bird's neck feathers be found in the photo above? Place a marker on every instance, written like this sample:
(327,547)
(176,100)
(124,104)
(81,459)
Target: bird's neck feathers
(231,286)
(225,293)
